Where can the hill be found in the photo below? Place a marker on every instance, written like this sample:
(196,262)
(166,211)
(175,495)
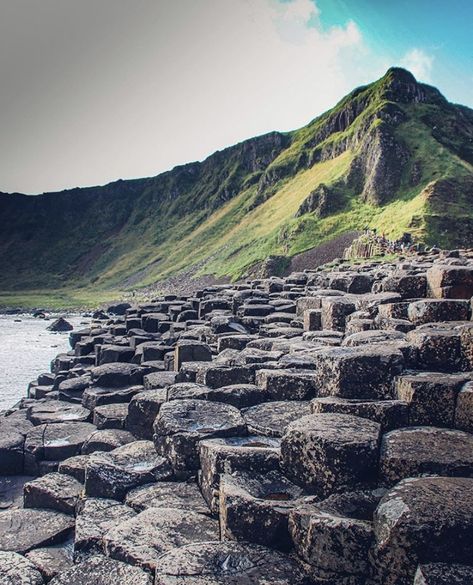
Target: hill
(394,155)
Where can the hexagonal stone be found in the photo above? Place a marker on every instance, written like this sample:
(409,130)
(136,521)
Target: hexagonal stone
(143,539)
(287,384)
(450,282)
(231,454)
(331,542)
(55,491)
(255,507)
(100,570)
(57,411)
(271,419)
(181,424)
(357,372)
(11,451)
(191,351)
(238,395)
(98,395)
(216,563)
(95,517)
(432,310)
(328,453)
(431,396)
(16,570)
(168,494)
(117,375)
(52,560)
(11,491)
(110,416)
(113,474)
(24,529)
(106,440)
(417,451)
(437,348)
(143,410)
(443,574)
(75,467)
(426,519)
(390,414)
(55,442)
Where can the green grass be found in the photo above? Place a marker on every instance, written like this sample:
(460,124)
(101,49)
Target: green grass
(56,300)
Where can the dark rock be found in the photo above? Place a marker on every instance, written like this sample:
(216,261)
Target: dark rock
(287,384)
(181,424)
(443,574)
(60,325)
(52,560)
(271,419)
(429,311)
(106,440)
(22,530)
(167,494)
(143,410)
(143,539)
(100,570)
(55,491)
(56,411)
(117,375)
(118,308)
(16,570)
(327,453)
(110,416)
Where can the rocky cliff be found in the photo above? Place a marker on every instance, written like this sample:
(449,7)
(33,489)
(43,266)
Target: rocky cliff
(394,154)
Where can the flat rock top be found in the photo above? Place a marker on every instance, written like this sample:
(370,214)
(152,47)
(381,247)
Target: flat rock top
(100,570)
(196,416)
(227,563)
(56,411)
(24,529)
(168,494)
(272,418)
(336,428)
(16,570)
(139,456)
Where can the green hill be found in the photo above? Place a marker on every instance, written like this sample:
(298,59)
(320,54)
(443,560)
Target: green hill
(395,155)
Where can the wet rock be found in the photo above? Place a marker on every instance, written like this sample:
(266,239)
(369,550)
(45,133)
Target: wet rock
(113,474)
(95,518)
(56,411)
(215,563)
(425,450)
(106,440)
(103,571)
(54,442)
(143,410)
(110,416)
(143,539)
(255,507)
(228,455)
(428,519)
(60,325)
(16,570)
(181,424)
(390,414)
(327,453)
(271,419)
(24,529)
(168,494)
(55,491)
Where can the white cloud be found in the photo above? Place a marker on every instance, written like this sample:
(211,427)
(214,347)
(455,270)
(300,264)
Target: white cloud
(418,62)
(136,94)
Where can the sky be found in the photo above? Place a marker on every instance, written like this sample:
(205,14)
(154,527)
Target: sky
(96,90)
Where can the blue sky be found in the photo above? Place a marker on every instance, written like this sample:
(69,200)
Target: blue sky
(441,30)
(97,90)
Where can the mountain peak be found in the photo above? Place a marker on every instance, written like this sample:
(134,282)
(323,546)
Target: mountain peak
(399,75)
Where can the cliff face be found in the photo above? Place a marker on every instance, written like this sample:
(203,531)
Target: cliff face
(394,154)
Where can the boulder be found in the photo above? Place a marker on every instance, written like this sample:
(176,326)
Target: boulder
(229,455)
(60,325)
(113,474)
(255,507)
(327,453)
(425,450)
(55,491)
(423,520)
(181,424)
